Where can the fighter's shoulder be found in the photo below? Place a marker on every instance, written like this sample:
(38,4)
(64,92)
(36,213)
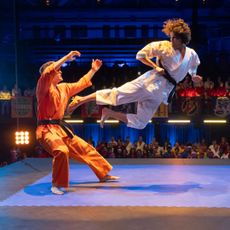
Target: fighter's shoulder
(161,43)
(192,51)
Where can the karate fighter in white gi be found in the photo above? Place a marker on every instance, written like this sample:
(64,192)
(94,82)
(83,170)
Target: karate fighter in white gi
(152,88)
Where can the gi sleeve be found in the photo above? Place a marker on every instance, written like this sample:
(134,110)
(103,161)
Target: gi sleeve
(151,50)
(195,61)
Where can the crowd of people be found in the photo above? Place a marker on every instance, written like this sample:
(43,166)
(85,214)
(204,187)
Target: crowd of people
(140,149)
(6,95)
(205,90)
(118,148)
(15,154)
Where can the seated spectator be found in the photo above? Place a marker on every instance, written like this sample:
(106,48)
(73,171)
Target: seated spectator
(227,85)
(202,149)
(214,150)
(208,83)
(187,151)
(157,150)
(133,152)
(113,142)
(5,98)
(194,151)
(16,91)
(177,150)
(140,144)
(128,145)
(223,145)
(167,149)
(221,90)
(110,152)
(210,92)
(226,155)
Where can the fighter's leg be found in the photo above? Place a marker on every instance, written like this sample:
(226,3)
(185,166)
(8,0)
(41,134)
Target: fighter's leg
(127,93)
(84,152)
(145,111)
(60,172)
(60,165)
(108,113)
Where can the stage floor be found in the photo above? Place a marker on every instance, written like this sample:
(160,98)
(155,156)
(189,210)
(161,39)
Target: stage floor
(151,194)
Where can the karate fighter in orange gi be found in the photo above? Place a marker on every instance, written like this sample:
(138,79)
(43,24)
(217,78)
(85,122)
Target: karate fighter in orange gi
(54,134)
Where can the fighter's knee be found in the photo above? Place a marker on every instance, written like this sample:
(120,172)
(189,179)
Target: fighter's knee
(114,95)
(140,123)
(141,126)
(61,153)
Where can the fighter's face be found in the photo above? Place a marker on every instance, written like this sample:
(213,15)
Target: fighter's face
(176,41)
(58,77)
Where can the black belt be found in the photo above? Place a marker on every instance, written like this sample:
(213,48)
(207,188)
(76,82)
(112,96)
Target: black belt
(170,79)
(65,126)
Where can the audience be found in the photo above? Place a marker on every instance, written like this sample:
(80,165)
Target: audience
(207,93)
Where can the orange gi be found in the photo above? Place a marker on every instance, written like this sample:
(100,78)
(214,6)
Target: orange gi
(52,102)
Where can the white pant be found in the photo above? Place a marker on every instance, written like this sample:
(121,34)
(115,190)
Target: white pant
(149,96)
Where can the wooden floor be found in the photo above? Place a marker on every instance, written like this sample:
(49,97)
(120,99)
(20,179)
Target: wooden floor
(16,176)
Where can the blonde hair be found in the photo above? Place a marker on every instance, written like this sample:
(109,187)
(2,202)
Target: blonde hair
(44,66)
(179,28)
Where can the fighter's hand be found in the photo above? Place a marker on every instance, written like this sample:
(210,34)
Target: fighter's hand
(160,70)
(96,64)
(197,78)
(73,54)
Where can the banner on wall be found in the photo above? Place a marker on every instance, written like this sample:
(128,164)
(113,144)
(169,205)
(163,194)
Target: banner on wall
(22,107)
(191,106)
(222,107)
(216,106)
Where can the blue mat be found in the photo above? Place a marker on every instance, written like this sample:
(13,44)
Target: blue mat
(140,185)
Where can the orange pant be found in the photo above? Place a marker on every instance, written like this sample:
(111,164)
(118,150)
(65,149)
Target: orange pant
(64,148)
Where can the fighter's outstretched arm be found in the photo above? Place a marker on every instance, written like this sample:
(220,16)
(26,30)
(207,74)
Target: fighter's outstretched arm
(147,61)
(77,101)
(95,66)
(69,57)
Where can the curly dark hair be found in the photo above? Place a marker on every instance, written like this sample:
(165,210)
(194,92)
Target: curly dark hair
(179,28)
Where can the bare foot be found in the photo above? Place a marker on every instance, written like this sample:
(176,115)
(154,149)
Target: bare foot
(109,178)
(104,116)
(76,102)
(57,191)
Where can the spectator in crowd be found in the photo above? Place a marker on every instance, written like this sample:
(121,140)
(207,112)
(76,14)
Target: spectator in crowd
(177,150)
(221,90)
(202,149)
(213,150)
(113,142)
(167,149)
(157,149)
(16,91)
(5,98)
(208,83)
(140,144)
(128,145)
(225,155)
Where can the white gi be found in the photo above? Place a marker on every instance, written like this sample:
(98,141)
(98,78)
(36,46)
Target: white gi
(151,89)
